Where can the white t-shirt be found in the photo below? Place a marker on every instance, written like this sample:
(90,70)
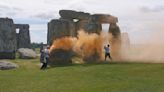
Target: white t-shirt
(107,50)
(46,53)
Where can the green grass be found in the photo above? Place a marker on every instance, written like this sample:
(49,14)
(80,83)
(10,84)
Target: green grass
(115,77)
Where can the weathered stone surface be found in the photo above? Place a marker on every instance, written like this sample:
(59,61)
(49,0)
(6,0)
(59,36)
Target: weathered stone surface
(70,14)
(4,65)
(115,30)
(25,53)
(23,37)
(93,28)
(81,24)
(115,42)
(7,39)
(60,57)
(7,55)
(103,18)
(60,28)
(89,26)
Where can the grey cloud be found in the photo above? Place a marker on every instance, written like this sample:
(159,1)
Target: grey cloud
(9,10)
(17,9)
(152,9)
(46,15)
(55,1)
(4,7)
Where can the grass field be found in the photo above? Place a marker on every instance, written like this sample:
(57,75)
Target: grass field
(113,77)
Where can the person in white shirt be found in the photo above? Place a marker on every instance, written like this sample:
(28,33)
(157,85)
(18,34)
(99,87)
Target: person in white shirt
(107,52)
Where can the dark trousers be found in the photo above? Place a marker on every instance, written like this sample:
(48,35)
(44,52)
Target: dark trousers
(108,55)
(44,66)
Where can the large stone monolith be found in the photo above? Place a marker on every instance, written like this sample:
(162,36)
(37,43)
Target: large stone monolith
(59,28)
(60,57)
(115,42)
(23,37)
(7,39)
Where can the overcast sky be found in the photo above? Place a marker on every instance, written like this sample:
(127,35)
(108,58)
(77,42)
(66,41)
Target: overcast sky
(140,18)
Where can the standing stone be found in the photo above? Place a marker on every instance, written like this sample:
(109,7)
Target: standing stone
(49,33)
(60,28)
(89,26)
(115,31)
(60,57)
(81,24)
(23,37)
(93,28)
(115,42)
(7,39)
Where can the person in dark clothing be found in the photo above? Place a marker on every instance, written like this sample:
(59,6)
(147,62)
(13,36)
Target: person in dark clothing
(45,54)
(42,56)
(42,60)
(41,47)
(107,52)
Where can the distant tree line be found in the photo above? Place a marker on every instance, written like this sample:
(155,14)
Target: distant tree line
(36,45)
